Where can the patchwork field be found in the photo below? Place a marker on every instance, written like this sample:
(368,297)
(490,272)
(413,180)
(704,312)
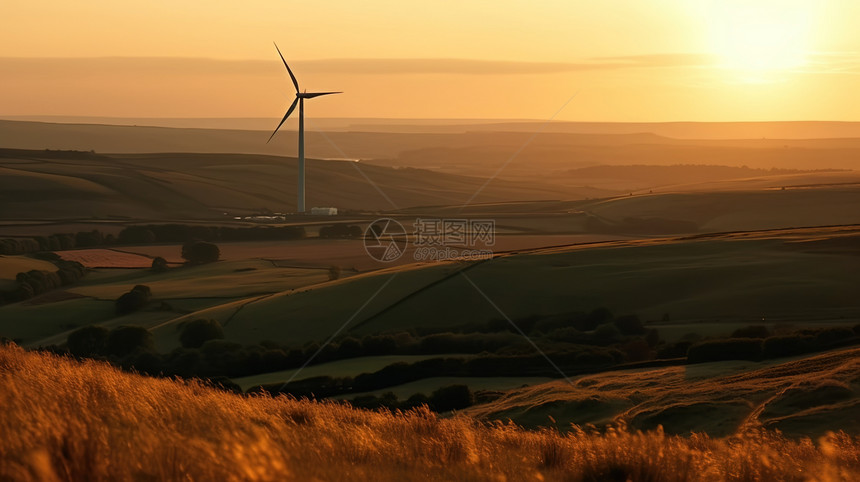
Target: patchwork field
(716,283)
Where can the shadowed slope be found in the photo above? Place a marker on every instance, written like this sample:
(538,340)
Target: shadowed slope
(800,397)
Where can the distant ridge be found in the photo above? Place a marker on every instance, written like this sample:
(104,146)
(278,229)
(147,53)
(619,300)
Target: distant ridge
(680,130)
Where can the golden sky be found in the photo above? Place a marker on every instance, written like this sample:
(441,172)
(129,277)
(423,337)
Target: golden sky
(630,60)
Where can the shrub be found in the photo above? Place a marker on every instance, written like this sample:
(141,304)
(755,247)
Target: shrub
(629,325)
(674,350)
(415,401)
(67,241)
(453,397)
(88,341)
(758,331)
(134,300)
(185,362)
(218,347)
(126,340)
(274,360)
(637,350)
(200,252)
(136,235)
(147,362)
(89,238)
(652,337)
(195,333)
(786,345)
(606,334)
(349,348)
(728,349)
(159,265)
(590,321)
(830,336)
(379,345)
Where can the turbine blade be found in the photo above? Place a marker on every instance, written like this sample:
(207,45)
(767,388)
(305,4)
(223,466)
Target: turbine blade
(295,82)
(289,111)
(317,94)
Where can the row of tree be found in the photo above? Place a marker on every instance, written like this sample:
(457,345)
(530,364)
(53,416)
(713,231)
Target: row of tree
(775,346)
(182,233)
(35,282)
(158,233)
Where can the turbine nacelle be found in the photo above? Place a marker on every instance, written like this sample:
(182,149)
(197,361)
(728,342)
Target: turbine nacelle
(311,95)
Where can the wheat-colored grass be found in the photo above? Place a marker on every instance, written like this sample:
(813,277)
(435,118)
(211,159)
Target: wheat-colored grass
(64,420)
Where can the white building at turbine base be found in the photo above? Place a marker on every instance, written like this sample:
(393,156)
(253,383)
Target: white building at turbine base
(324,211)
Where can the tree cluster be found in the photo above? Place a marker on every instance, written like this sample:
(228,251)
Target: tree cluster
(134,300)
(35,282)
(183,233)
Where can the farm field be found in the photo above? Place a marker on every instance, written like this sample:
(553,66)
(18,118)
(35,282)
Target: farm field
(349,254)
(737,279)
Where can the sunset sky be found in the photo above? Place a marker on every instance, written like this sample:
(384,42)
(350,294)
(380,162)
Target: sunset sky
(656,60)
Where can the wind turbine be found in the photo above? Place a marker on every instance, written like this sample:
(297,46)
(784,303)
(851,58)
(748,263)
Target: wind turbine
(300,100)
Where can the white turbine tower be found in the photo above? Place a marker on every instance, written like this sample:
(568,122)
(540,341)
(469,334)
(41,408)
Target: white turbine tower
(300,100)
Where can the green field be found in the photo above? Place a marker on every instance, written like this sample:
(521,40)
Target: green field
(228,279)
(176,293)
(722,283)
(339,368)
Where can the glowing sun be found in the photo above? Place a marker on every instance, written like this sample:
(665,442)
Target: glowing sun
(763,36)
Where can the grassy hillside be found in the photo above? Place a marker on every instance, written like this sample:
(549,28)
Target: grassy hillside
(63,420)
(41,185)
(800,397)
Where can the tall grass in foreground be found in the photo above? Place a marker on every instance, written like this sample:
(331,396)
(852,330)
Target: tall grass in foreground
(65,420)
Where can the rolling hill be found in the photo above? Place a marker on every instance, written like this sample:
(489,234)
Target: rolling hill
(709,284)
(50,185)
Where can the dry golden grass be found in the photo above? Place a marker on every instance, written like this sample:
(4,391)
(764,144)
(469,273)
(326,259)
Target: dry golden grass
(64,420)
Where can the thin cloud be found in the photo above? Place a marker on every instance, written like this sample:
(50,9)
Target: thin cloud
(201,66)
(822,62)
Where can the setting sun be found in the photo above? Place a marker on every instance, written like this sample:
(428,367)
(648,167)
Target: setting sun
(762,37)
